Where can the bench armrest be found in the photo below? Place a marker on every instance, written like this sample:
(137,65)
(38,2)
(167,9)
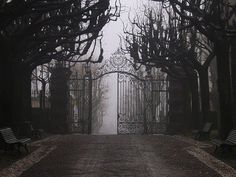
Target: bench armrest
(25,140)
(217,142)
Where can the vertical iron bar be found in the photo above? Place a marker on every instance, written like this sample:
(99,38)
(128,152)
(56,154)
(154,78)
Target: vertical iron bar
(159,99)
(152,107)
(144,110)
(124,98)
(90,105)
(130,100)
(136,101)
(118,102)
(127,102)
(83,106)
(123,103)
(133,87)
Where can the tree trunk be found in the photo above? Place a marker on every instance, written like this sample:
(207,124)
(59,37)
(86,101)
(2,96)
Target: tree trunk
(233,66)
(195,101)
(224,88)
(15,93)
(204,92)
(42,95)
(7,86)
(187,100)
(22,95)
(26,94)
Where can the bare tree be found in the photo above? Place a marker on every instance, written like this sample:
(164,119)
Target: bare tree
(39,81)
(216,20)
(157,42)
(35,32)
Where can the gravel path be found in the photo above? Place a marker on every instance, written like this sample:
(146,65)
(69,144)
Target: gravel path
(119,156)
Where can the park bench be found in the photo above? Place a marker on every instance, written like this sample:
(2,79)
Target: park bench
(204,132)
(10,141)
(227,144)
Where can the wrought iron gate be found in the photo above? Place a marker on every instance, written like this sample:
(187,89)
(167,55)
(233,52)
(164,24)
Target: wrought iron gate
(130,105)
(142,98)
(83,90)
(80,108)
(78,104)
(156,105)
(141,105)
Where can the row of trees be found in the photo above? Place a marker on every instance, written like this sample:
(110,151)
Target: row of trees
(34,32)
(182,37)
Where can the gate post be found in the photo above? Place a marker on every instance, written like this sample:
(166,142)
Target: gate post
(118,102)
(88,99)
(59,99)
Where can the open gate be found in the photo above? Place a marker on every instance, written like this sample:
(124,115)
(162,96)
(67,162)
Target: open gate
(83,102)
(142,98)
(78,104)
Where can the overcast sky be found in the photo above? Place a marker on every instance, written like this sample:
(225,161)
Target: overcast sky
(110,44)
(114,28)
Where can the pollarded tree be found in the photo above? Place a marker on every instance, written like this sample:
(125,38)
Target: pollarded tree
(158,42)
(35,32)
(216,20)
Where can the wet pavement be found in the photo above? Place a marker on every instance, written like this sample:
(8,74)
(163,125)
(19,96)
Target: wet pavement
(119,156)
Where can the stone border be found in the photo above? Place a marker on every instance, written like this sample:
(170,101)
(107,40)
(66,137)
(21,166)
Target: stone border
(220,167)
(48,139)
(195,150)
(18,167)
(192,141)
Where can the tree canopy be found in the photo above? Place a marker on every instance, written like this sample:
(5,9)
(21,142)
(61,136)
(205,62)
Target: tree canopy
(39,31)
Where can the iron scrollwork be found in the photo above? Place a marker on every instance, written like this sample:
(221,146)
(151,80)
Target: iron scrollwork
(142,96)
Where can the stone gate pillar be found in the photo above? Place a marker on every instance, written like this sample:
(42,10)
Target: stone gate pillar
(59,90)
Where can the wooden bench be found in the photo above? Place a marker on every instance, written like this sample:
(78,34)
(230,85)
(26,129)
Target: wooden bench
(204,133)
(226,145)
(10,141)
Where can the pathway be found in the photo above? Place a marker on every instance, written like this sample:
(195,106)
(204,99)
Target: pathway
(122,156)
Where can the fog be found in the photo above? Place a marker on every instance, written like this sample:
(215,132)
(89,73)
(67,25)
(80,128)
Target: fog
(110,44)
(109,125)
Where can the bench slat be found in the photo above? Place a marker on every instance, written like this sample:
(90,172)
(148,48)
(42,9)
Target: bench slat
(232,137)
(207,127)
(230,140)
(9,137)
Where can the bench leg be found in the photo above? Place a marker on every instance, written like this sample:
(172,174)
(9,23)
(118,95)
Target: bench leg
(219,149)
(197,135)
(216,149)
(26,148)
(228,148)
(5,148)
(18,148)
(223,149)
